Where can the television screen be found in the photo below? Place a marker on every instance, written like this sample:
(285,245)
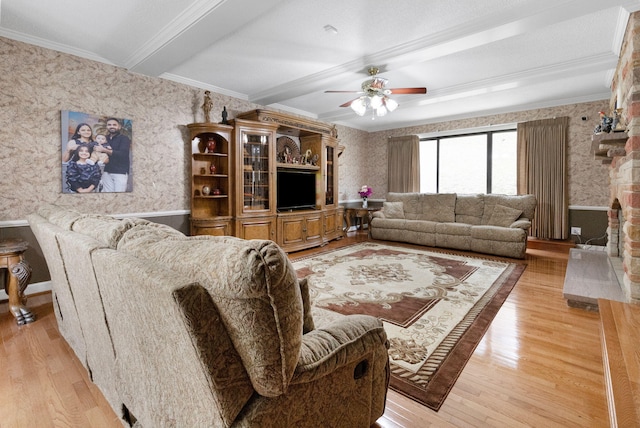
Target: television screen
(296,190)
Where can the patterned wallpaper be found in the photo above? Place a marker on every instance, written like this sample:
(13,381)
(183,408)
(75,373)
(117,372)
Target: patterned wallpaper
(588,179)
(38,83)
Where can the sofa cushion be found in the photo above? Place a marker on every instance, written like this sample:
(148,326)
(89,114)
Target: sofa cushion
(262,307)
(439,207)
(469,209)
(411,207)
(308,324)
(498,234)
(503,216)
(388,223)
(526,203)
(393,209)
(61,217)
(105,229)
(459,229)
(422,226)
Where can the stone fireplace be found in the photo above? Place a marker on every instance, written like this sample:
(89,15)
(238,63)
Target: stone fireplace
(624,208)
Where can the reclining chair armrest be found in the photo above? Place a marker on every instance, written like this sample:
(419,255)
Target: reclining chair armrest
(522,223)
(378,214)
(342,342)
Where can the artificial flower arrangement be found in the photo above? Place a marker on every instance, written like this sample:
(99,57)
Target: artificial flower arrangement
(365,191)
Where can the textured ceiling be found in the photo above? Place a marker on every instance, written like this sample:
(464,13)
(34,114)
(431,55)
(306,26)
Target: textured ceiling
(476,57)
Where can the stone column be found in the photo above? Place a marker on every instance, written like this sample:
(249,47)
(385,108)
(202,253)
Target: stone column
(625,171)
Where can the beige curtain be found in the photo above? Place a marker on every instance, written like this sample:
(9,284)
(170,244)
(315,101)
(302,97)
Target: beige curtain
(404,164)
(542,171)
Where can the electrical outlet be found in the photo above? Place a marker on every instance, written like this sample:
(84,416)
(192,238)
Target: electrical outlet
(576,231)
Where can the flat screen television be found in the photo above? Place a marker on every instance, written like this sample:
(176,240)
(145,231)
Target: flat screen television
(296,190)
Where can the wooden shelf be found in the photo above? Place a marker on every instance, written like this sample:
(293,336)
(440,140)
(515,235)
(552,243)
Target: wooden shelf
(212,211)
(606,146)
(246,169)
(298,166)
(211,175)
(205,155)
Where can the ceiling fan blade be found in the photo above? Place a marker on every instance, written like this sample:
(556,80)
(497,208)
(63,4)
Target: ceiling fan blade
(348,103)
(408,90)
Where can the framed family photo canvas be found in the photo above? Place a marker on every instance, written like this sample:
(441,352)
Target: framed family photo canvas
(96,153)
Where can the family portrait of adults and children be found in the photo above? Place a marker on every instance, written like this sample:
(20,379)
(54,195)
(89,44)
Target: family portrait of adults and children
(96,153)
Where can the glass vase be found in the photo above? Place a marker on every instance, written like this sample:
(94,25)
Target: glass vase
(365,203)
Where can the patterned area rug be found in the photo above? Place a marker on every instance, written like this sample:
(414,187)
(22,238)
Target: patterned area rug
(435,306)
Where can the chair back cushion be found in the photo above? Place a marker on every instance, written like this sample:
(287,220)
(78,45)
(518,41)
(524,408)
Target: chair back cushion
(439,207)
(524,203)
(255,289)
(469,209)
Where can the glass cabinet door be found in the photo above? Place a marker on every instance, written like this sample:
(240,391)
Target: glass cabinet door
(330,176)
(256,172)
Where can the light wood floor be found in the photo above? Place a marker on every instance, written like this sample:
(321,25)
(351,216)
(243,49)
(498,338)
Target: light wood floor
(539,365)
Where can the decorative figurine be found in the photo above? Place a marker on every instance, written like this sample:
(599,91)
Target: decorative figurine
(212,168)
(605,126)
(224,116)
(616,125)
(306,158)
(206,106)
(211,145)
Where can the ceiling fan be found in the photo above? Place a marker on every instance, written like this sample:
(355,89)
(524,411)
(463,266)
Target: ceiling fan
(375,94)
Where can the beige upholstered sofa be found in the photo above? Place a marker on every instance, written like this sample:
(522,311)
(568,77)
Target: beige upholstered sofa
(205,331)
(491,224)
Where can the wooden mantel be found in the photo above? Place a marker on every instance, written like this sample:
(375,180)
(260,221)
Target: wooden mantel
(606,146)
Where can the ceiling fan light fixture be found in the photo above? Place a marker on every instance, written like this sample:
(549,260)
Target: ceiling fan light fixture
(375,101)
(376,96)
(390,104)
(381,111)
(359,106)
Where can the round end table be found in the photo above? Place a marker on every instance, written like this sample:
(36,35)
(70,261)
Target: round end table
(17,278)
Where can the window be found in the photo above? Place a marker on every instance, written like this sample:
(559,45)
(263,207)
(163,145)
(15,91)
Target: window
(483,162)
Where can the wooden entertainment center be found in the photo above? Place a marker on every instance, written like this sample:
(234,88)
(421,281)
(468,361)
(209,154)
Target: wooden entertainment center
(266,175)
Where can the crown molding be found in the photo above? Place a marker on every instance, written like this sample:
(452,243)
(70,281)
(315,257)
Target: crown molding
(48,44)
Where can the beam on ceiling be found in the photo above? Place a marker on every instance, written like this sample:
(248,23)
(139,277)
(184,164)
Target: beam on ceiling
(193,31)
(463,37)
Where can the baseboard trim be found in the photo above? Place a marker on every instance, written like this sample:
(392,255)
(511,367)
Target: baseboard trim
(35,288)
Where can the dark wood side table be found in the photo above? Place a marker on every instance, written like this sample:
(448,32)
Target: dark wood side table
(361,214)
(17,278)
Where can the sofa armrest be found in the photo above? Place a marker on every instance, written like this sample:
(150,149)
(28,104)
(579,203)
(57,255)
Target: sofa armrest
(378,214)
(342,342)
(521,223)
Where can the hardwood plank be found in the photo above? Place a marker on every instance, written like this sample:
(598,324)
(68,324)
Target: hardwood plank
(46,385)
(539,364)
(620,330)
